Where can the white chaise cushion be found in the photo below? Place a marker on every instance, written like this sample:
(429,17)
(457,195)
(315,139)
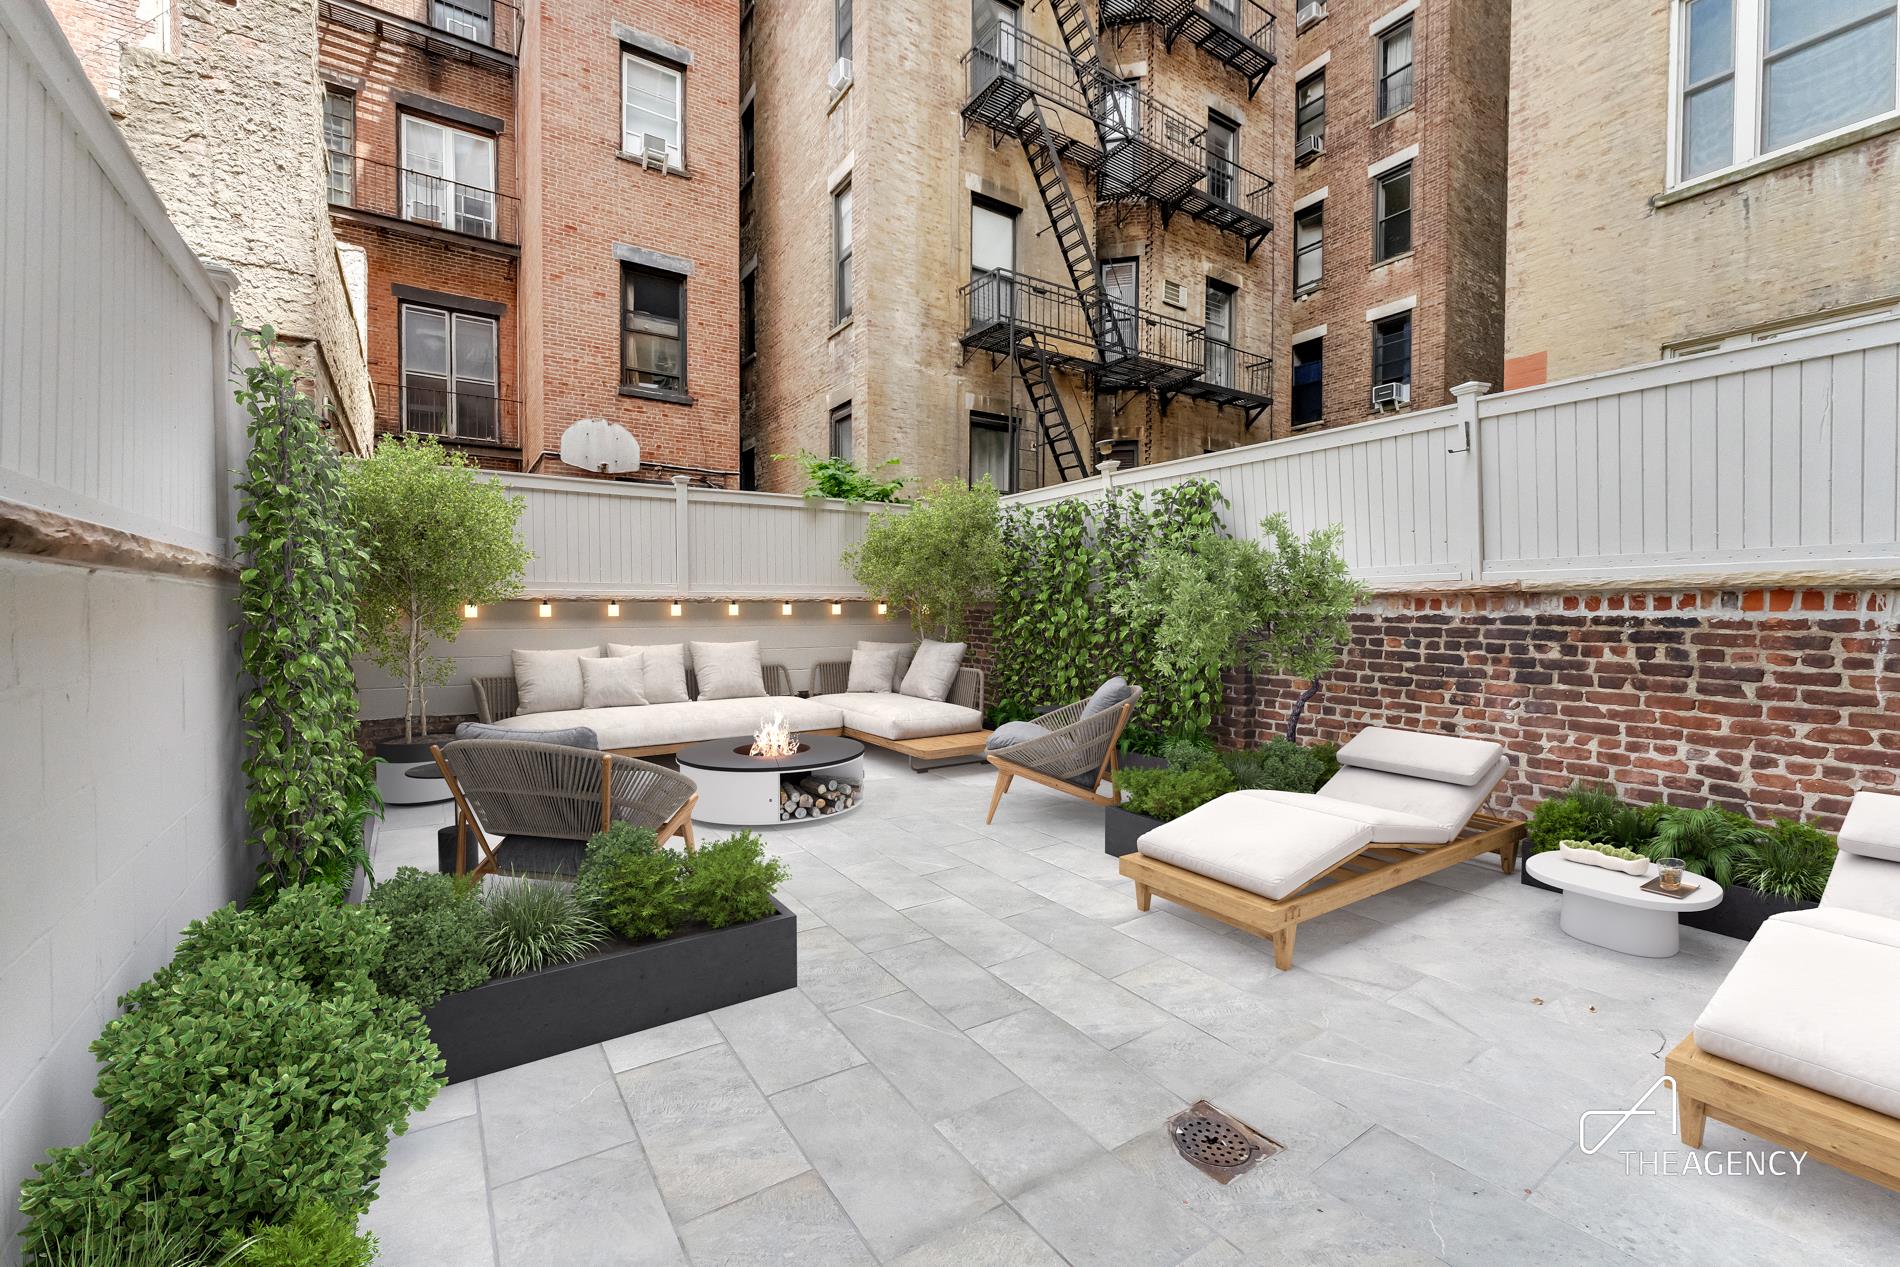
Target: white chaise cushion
(1265,847)
(1803,1003)
(1389,826)
(663,672)
(893,716)
(549,681)
(1872,826)
(668,725)
(1864,884)
(1446,806)
(1441,758)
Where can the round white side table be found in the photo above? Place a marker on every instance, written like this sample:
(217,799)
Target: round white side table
(1610,909)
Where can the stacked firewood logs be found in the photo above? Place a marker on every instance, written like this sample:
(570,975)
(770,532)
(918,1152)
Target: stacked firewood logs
(815,796)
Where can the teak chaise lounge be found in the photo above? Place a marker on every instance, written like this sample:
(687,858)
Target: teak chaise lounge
(1071,749)
(1403,805)
(1801,1043)
(539,800)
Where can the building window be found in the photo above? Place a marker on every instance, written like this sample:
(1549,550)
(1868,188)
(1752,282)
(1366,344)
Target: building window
(1392,350)
(748,466)
(1222,363)
(1309,381)
(992,262)
(1309,107)
(450,373)
(448,177)
(748,316)
(470,19)
(652,108)
(1395,69)
(1223,157)
(1308,248)
(1823,65)
(841,253)
(653,331)
(1392,209)
(339,144)
(1121,292)
(992,454)
(841,29)
(748,141)
(841,431)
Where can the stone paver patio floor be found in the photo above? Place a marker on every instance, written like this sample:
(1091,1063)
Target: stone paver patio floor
(987,1039)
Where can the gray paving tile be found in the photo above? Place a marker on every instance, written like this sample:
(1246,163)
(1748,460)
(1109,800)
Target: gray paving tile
(997,1239)
(863,920)
(929,1060)
(963,993)
(1018,1140)
(662,1042)
(793,1222)
(1101,1212)
(1187,1062)
(1110,904)
(899,1181)
(783,1040)
(987,891)
(540,1115)
(1099,1091)
(709,1135)
(600,1211)
(892,883)
(1098,1007)
(1000,859)
(432,1201)
(1087,941)
(981,937)
(833,973)
(449,1103)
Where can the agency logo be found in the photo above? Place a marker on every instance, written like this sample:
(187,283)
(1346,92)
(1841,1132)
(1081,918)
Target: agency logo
(1659,1100)
(1619,1118)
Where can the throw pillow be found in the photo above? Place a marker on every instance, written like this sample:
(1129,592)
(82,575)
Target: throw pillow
(933,670)
(613,682)
(902,664)
(1011,733)
(549,681)
(872,670)
(728,670)
(1110,694)
(570,737)
(663,670)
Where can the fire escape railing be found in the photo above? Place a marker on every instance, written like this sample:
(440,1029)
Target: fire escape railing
(424,198)
(1239,33)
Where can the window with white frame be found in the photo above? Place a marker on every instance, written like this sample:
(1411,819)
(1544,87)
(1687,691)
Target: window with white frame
(339,143)
(841,253)
(448,177)
(652,104)
(1754,77)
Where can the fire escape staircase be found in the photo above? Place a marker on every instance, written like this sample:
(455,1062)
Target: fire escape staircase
(1236,33)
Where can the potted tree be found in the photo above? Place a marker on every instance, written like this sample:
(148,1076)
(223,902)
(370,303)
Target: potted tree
(935,560)
(438,536)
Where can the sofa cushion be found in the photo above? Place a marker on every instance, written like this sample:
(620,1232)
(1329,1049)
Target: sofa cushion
(613,681)
(1872,826)
(728,670)
(1796,1005)
(933,669)
(1864,884)
(1441,758)
(892,716)
(1389,826)
(1110,694)
(549,681)
(1265,847)
(1448,806)
(899,667)
(663,671)
(1011,733)
(674,725)
(873,669)
(572,737)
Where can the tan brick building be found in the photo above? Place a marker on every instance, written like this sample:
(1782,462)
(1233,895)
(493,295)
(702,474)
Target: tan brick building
(1671,194)
(904,265)
(547,199)
(1397,222)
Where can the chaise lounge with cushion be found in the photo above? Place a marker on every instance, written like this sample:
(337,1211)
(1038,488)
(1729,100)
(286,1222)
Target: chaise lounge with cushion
(1801,1043)
(1403,805)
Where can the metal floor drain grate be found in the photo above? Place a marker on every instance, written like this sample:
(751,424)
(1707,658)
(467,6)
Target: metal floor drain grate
(1216,1144)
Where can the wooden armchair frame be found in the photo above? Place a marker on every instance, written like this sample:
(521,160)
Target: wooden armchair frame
(1075,747)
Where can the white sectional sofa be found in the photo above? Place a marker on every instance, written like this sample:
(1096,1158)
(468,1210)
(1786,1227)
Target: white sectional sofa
(1801,1043)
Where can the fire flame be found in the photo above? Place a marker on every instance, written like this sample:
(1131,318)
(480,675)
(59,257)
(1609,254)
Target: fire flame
(774,738)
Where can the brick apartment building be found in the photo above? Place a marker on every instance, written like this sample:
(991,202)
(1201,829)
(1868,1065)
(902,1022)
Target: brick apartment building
(1397,225)
(1007,238)
(547,198)
(1673,192)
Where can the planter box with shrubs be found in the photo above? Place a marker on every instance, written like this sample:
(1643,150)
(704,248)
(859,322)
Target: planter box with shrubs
(1191,771)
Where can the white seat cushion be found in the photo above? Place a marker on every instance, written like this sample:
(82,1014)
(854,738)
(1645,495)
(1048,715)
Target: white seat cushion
(1802,1004)
(1265,847)
(1389,826)
(1872,826)
(1446,806)
(655,725)
(549,681)
(892,716)
(1864,884)
(1441,758)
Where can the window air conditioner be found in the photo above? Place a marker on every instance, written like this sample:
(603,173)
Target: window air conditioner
(1309,147)
(653,151)
(1391,395)
(1307,15)
(840,77)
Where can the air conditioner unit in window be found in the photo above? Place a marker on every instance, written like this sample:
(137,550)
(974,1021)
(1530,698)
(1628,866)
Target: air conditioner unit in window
(653,151)
(1309,147)
(1307,15)
(1391,395)
(1172,296)
(840,77)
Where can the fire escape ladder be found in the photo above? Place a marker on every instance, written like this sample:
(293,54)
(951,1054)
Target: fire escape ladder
(1032,362)
(1065,217)
(1078,36)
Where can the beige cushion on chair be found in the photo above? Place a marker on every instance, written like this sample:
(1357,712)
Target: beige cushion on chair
(1389,826)
(1265,847)
(900,666)
(548,681)
(933,669)
(873,669)
(728,670)
(663,676)
(613,682)
(1446,806)
(1441,758)
(675,725)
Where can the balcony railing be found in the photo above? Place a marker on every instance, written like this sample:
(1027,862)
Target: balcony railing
(1000,307)
(424,198)
(470,412)
(1237,32)
(1233,376)
(468,29)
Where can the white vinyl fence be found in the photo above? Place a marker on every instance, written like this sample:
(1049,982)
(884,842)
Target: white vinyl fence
(1777,460)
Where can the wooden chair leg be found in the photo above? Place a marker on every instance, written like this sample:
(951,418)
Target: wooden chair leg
(1692,1116)
(1507,858)
(1003,780)
(1283,947)
(1143,896)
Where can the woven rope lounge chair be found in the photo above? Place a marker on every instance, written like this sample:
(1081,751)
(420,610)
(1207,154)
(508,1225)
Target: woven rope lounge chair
(536,800)
(1403,805)
(1074,757)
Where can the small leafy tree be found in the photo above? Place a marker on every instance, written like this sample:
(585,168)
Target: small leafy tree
(843,479)
(936,560)
(1276,606)
(438,536)
(309,785)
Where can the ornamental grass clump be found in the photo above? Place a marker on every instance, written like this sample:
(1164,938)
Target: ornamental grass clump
(535,924)
(1792,860)
(436,927)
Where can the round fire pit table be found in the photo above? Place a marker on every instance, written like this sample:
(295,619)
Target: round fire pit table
(741,790)
(1610,909)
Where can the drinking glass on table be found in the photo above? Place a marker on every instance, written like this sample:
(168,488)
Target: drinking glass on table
(1669,871)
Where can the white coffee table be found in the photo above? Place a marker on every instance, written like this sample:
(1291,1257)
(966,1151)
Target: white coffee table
(1609,908)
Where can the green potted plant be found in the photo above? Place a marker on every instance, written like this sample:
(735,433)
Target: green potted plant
(936,560)
(438,536)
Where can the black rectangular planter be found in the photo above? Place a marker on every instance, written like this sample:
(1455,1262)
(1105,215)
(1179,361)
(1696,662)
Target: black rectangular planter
(1122,828)
(513,1020)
